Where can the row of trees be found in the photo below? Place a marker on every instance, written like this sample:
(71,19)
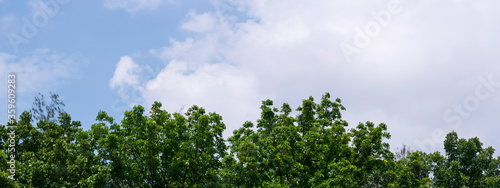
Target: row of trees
(160,149)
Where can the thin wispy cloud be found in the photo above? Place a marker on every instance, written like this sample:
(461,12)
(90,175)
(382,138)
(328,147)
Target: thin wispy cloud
(40,70)
(133,6)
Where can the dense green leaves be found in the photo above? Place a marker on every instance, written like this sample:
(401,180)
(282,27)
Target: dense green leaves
(467,164)
(154,148)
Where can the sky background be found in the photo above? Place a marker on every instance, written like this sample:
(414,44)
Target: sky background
(424,68)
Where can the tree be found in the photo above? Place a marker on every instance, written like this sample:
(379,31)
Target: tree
(413,170)
(293,152)
(47,112)
(53,153)
(467,164)
(402,153)
(371,155)
(159,149)
(163,150)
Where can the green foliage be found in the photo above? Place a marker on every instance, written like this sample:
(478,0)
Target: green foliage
(467,164)
(154,149)
(312,150)
(162,149)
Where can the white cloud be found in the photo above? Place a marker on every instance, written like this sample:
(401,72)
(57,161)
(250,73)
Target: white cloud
(40,71)
(127,79)
(126,74)
(424,61)
(216,87)
(133,6)
(199,22)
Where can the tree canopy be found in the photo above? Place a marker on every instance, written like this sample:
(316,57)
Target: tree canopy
(156,149)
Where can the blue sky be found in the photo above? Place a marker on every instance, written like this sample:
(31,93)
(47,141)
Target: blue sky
(424,68)
(94,38)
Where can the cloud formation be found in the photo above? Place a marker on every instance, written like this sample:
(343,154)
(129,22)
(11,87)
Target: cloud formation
(126,74)
(199,22)
(40,70)
(417,66)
